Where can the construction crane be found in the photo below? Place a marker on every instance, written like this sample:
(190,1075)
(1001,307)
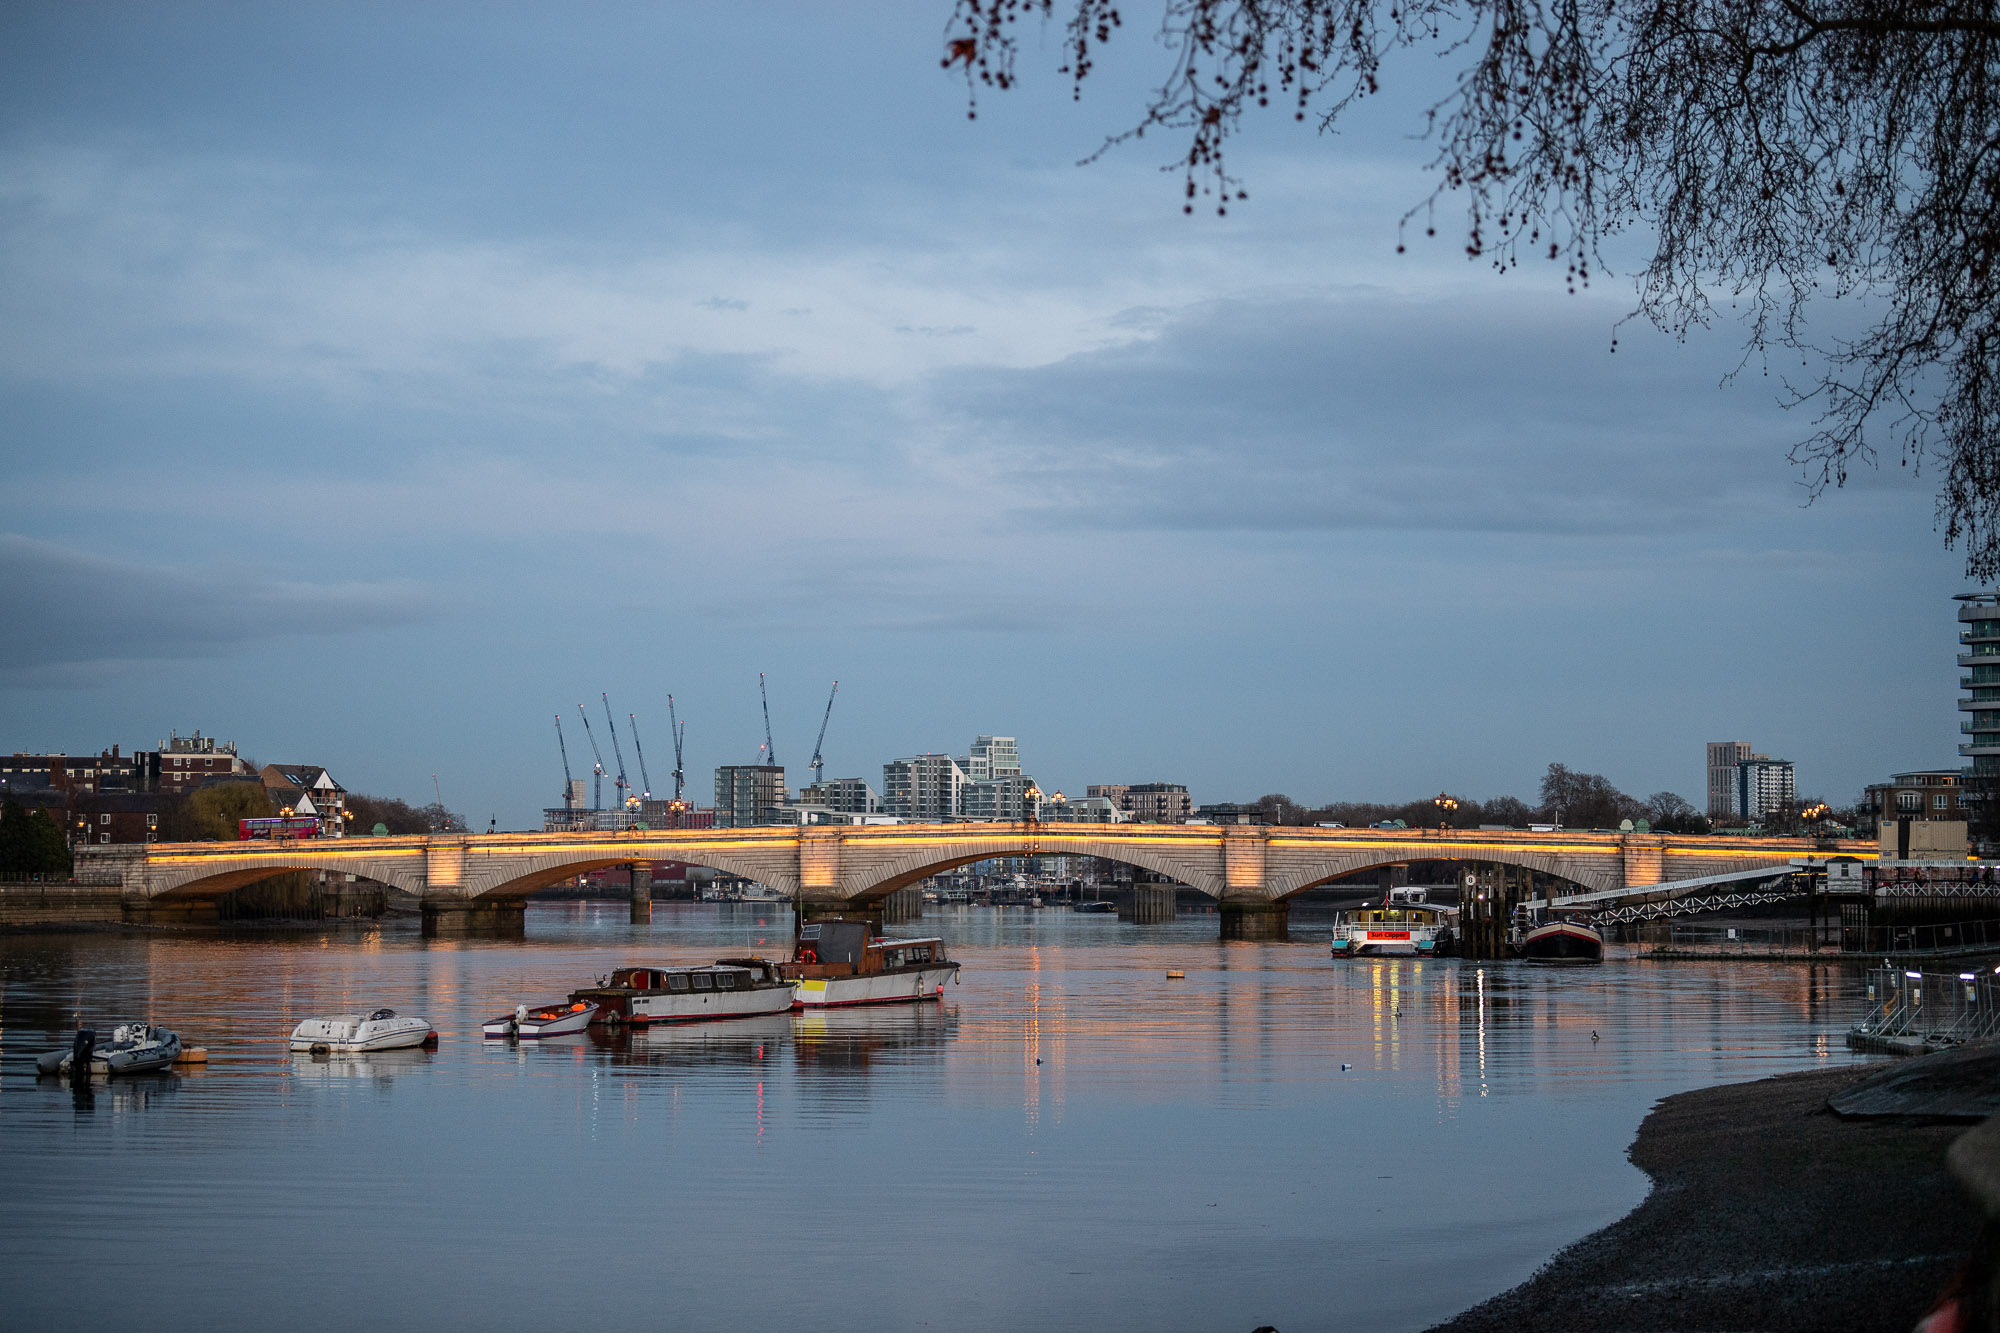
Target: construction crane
(770,750)
(568,781)
(640,750)
(818,763)
(596,774)
(680,730)
(616,753)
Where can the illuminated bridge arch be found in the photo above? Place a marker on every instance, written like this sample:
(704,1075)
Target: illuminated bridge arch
(884,874)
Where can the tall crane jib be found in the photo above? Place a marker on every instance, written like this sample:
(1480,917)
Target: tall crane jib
(818,764)
(616,753)
(640,750)
(770,750)
(597,773)
(567,780)
(679,729)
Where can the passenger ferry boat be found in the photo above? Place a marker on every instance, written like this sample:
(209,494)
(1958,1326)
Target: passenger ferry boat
(727,988)
(836,963)
(1405,923)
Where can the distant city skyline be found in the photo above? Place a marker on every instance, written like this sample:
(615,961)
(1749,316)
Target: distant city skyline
(363,410)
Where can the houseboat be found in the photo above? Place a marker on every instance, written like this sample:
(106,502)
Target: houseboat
(836,963)
(727,988)
(1564,935)
(1405,923)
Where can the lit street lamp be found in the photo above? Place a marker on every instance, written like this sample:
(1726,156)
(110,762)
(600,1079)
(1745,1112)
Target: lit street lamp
(1031,804)
(1445,805)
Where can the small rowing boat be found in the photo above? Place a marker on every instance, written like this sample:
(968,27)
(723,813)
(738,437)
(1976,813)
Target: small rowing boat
(529,1022)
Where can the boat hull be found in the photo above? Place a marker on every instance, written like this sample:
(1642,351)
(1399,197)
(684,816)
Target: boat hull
(905,986)
(705,1006)
(1563,942)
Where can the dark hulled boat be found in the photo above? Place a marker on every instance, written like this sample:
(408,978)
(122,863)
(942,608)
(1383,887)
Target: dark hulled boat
(1564,937)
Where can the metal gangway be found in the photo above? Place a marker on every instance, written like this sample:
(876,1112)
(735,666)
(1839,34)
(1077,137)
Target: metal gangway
(1934,1008)
(1684,897)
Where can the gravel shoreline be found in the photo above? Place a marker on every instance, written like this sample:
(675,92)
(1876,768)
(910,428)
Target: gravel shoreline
(1768,1212)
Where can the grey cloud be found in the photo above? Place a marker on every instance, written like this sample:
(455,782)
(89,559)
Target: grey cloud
(1359,412)
(722,303)
(71,614)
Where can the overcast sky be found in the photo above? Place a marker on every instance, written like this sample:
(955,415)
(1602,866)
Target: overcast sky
(378,380)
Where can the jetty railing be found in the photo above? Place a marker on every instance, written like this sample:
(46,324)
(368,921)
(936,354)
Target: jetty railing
(1935,1008)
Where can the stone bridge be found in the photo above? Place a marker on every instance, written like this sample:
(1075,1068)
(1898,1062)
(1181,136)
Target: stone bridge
(480,881)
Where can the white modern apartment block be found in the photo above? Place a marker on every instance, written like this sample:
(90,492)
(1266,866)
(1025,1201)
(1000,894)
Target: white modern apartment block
(1763,784)
(992,757)
(924,788)
(1003,798)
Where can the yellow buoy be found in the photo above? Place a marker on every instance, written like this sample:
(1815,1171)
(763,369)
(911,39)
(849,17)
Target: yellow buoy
(1175,974)
(192,1055)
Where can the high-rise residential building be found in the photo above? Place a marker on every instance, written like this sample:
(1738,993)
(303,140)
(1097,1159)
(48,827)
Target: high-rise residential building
(574,797)
(992,757)
(850,796)
(1763,784)
(1001,798)
(1979,663)
(924,787)
(1723,757)
(746,793)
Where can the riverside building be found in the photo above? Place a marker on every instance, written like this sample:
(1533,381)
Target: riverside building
(1979,678)
(744,793)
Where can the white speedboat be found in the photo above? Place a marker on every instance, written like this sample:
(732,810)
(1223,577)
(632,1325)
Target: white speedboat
(132,1048)
(529,1022)
(835,963)
(381,1030)
(728,988)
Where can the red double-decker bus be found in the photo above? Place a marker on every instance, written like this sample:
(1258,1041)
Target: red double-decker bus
(278,826)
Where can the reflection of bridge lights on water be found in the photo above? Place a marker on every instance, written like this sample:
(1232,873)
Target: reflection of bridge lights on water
(1479,976)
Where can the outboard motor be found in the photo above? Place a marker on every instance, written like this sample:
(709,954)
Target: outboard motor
(80,1052)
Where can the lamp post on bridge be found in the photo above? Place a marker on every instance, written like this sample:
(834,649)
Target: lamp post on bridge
(1445,806)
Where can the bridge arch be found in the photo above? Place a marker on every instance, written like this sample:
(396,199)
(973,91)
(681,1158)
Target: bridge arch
(524,876)
(884,877)
(194,884)
(1291,880)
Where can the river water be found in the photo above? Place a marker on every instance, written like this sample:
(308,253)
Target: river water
(1069,1140)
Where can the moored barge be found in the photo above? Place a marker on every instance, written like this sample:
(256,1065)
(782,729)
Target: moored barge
(727,988)
(836,963)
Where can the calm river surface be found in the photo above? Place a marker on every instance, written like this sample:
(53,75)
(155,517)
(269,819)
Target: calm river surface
(1068,1141)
